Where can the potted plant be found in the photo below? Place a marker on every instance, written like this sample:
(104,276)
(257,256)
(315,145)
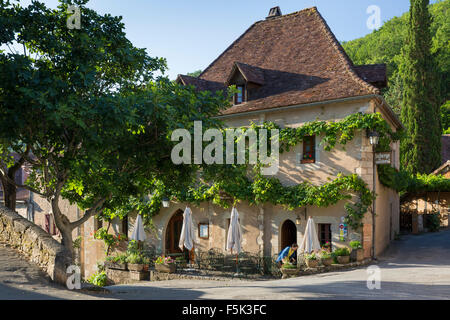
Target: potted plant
(312,260)
(326,258)
(343,255)
(327,246)
(181,262)
(357,253)
(136,262)
(118,262)
(288,269)
(165,264)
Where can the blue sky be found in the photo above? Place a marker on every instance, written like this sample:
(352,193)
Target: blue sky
(191,34)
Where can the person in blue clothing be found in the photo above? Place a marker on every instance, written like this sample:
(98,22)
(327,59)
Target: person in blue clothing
(290,252)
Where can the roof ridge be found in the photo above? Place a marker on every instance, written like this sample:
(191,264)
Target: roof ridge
(314,8)
(249,28)
(343,55)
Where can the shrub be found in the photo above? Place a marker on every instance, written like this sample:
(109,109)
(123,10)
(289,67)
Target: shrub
(355,245)
(311,256)
(433,221)
(136,258)
(342,252)
(325,255)
(98,279)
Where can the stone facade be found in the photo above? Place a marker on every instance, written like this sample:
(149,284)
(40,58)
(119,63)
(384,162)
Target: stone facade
(35,244)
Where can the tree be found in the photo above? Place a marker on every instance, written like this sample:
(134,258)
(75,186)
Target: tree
(195,73)
(385,46)
(421,148)
(96,121)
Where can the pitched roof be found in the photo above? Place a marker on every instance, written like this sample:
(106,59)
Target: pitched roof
(200,84)
(373,73)
(250,73)
(301,61)
(443,168)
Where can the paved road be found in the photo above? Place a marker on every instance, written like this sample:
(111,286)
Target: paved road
(415,267)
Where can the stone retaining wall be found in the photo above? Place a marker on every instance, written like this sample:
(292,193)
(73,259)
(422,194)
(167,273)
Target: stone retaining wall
(35,244)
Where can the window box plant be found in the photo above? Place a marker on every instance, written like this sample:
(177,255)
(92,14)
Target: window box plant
(326,258)
(357,253)
(312,260)
(165,264)
(288,269)
(343,255)
(137,262)
(118,262)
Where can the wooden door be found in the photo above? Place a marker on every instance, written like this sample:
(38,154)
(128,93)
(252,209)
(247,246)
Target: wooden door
(173,233)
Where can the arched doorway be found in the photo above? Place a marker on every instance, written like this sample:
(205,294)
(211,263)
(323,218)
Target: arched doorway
(288,234)
(173,233)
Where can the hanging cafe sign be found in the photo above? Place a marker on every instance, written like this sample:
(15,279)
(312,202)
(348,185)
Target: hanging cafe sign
(383,158)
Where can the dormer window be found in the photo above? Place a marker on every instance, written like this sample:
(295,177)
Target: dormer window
(239,97)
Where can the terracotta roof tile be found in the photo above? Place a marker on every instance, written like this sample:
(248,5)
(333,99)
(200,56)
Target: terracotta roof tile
(250,73)
(200,84)
(373,73)
(300,61)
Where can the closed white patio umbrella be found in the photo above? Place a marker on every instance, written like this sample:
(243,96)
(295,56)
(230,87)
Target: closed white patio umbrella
(234,237)
(138,232)
(310,240)
(187,233)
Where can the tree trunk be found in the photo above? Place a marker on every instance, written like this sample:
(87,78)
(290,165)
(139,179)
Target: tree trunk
(63,225)
(9,192)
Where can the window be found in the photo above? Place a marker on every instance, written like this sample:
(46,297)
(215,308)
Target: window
(125,226)
(239,97)
(324,233)
(203,230)
(309,149)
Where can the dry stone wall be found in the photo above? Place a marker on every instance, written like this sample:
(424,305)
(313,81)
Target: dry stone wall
(35,244)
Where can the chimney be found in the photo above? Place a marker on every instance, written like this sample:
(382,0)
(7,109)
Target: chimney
(274,12)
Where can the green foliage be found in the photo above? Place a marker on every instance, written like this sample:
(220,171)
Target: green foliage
(110,240)
(385,46)
(77,242)
(355,245)
(342,252)
(311,256)
(402,181)
(445,117)
(325,255)
(86,102)
(194,74)
(136,258)
(433,221)
(421,147)
(120,258)
(98,279)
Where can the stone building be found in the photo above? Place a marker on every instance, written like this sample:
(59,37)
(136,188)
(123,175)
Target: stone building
(290,69)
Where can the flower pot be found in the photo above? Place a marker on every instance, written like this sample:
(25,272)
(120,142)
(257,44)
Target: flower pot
(135,267)
(327,261)
(115,265)
(312,263)
(343,259)
(166,268)
(357,255)
(287,273)
(360,255)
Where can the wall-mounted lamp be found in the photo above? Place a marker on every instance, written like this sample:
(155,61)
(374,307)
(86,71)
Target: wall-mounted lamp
(373,137)
(165,202)
(298,220)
